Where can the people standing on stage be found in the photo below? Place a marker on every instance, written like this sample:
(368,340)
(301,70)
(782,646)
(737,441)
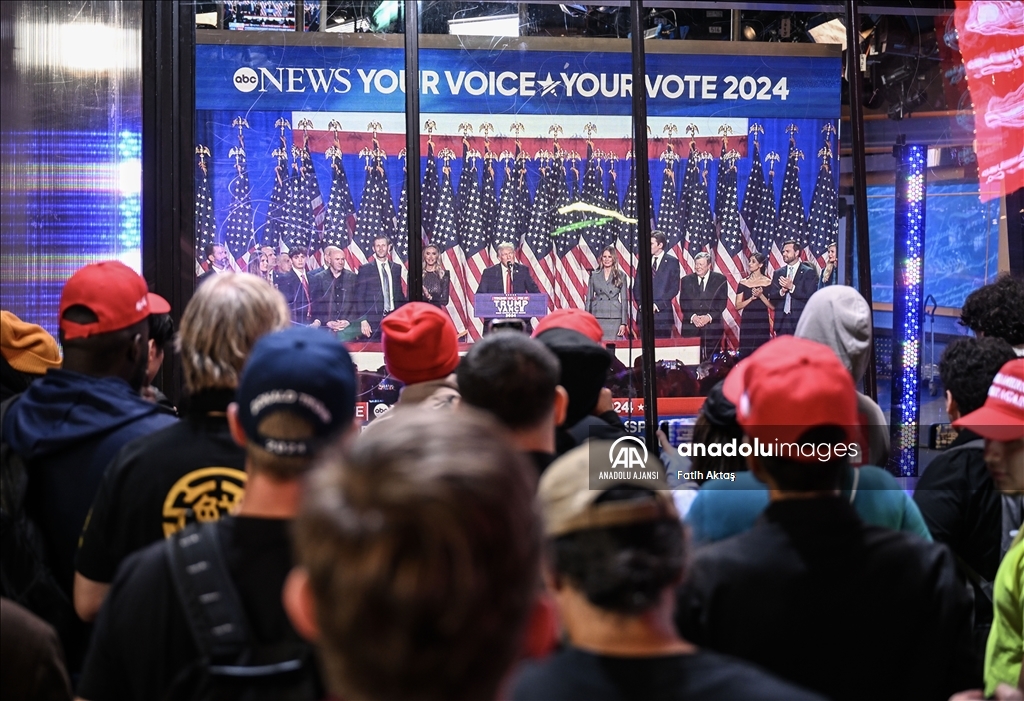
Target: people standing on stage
(606,298)
(284,267)
(792,285)
(830,273)
(665,284)
(702,299)
(378,289)
(752,299)
(436,281)
(330,289)
(259,265)
(295,288)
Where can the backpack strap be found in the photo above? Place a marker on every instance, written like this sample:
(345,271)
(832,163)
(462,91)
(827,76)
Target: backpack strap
(210,600)
(213,607)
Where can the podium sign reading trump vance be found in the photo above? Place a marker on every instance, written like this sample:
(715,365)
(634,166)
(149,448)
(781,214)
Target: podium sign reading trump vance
(501,306)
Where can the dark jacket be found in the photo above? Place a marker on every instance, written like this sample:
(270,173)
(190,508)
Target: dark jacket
(331,296)
(711,300)
(369,297)
(492,280)
(806,284)
(297,297)
(665,284)
(817,596)
(67,427)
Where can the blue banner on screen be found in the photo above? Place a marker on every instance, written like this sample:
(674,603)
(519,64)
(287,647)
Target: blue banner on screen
(354,79)
(302,148)
(503,306)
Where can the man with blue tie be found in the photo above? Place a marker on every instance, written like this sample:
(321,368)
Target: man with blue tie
(378,289)
(792,285)
(665,284)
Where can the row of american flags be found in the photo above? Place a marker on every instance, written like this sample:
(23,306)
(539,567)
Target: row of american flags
(517,196)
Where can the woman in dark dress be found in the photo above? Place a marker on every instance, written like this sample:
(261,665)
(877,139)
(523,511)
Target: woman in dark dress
(436,281)
(752,299)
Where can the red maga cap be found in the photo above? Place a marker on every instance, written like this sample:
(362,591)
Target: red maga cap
(790,385)
(1002,416)
(116,294)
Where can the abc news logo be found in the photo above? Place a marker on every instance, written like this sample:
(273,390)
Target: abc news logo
(245,79)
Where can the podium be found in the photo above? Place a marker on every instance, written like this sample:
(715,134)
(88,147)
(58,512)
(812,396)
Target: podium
(514,306)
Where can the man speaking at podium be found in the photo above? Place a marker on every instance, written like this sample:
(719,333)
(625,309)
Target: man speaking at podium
(507,277)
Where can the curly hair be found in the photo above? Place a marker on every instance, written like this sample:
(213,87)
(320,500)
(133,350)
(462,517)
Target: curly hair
(968,366)
(997,310)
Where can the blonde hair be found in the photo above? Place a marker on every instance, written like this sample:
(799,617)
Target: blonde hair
(221,323)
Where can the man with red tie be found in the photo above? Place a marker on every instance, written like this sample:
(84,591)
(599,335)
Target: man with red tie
(295,288)
(507,277)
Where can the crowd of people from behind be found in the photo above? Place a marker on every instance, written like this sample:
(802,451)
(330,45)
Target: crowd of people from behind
(352,303)
(482,539)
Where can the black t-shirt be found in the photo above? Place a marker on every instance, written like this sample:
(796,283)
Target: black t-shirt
(702,676)
(142,641)
(158,484)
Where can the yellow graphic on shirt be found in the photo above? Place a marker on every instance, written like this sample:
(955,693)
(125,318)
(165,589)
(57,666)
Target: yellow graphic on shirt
(202,495)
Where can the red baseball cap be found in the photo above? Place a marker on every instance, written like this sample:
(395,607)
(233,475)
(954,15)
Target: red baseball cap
(420,343)
(790,385)
(116,294)
(575,319)
(1002,416)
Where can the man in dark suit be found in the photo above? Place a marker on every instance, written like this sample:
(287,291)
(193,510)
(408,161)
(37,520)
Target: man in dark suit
(295,288)
(217,258)
(330,289)
(665,271)
(792,285)
(508,277)
(702,300)
(378,289)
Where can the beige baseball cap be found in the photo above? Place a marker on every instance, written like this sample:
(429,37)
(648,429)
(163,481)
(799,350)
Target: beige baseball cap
(568,501)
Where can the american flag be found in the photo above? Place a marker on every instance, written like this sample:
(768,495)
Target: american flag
(700,225)
(670,220)
(537,245)
(759,203)
(376,209)
(206,226)
(593,238)
(238,233)
(690,185)
(274,229)
(446,239)
(313,194)
(474,239)
(733,249)
(299,221)
(626,243)
(400,244)
(469,182)
(571,286)
(792,216)
(489,203)
(506,224)
(429,190)
(340,221)
(823,224)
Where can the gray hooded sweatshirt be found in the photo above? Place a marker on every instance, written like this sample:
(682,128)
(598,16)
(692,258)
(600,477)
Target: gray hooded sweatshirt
(839,317)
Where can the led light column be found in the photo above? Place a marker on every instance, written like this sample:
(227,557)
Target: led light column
(908,285)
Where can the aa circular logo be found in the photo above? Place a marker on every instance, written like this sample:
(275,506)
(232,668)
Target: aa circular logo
(628,452)
(245,79)
(202,495)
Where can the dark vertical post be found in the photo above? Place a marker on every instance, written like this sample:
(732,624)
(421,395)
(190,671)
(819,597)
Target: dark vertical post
(300,16)
(412,149)
(643,227)
(1015,231)
(168,199)
(860,193)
